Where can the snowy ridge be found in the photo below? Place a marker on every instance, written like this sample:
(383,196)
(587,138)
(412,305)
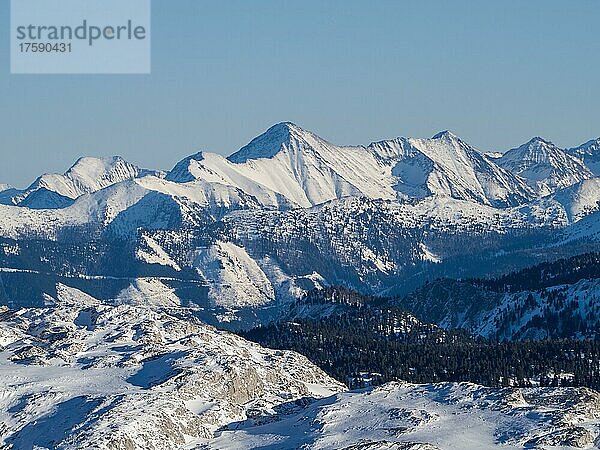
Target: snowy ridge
(307,170)
(446,165)
(545,166)
(148,202)
(589,153)
(87,175)
(288,166)
(579,200)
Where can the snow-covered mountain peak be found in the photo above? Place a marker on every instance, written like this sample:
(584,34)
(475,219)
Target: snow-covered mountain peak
(545,166)
(589,153)
(287,165)
(446,135)
(87,175)
(91,174)
(183,170)
(289,162)
(284,135)
(593,145)
(92,162)
(447,165)
(538,140)
(536,149)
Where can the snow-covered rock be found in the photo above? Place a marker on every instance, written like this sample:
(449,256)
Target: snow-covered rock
(545,166)
(589,153)
(402,416)
(288,162)
(235,279)
(87,175)
(288,165)
(580,199)
(446,165)
(136,374)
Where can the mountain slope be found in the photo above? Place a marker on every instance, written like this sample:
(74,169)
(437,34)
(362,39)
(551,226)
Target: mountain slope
(123,208)
(294,164)
(446,165)
(545,166)
(579,200)
(589,153)
(256,261)
(556,300)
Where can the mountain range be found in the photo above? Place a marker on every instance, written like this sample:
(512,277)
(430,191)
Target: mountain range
(291,211)
(288,166)
(121,286)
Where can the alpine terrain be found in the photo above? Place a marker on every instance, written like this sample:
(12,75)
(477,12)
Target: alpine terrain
(411,293)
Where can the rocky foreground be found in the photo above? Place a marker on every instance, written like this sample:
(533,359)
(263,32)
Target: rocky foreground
(82,374)
(430,417)
(139,372)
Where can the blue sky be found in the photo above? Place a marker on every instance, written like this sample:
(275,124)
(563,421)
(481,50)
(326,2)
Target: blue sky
(494,72)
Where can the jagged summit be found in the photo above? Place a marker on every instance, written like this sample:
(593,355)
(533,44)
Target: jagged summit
(537,143)
(92,174)
(537,149)
(592,144)
(90,161)
(537,140)
(289,162)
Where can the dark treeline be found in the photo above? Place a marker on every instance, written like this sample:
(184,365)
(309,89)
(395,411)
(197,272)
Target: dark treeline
(371,336)
(344,347)
(563,271)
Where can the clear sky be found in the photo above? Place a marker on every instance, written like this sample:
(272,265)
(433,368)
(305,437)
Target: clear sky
(494,72)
